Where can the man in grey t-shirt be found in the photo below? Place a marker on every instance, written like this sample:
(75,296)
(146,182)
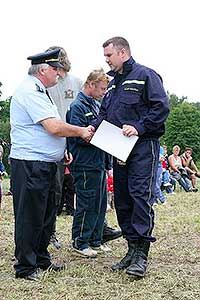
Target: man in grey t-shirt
(63,94)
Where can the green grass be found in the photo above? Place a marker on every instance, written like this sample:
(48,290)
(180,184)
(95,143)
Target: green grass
(173,271)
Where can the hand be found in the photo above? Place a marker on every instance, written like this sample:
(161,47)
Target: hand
(68,158)
(87,133)
(92,128)
(129,130)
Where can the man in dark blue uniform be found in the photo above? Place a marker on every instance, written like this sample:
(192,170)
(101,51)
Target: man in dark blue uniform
(89,231)
(136,102)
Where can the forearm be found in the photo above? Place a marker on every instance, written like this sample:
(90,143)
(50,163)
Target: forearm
(69,130)
(173,167)
(189,170)
(61,129)
(195,168)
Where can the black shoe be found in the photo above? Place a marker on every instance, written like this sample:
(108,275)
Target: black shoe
(53,267)
(54,241)
(110,234)
(33,276)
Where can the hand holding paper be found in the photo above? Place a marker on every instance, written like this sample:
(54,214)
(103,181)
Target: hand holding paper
(129,130)
(110,138)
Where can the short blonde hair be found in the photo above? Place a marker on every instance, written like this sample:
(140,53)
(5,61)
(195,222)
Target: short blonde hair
(176,147)
(97,76)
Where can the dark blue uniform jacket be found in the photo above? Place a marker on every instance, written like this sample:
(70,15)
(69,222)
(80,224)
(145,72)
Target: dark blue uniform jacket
(136,98)
(83,112)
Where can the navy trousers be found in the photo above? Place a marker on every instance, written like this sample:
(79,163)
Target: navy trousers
(91,203)
(134,185)
(35,212)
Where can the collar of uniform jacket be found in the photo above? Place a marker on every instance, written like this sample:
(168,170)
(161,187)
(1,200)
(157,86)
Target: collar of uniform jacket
(89,101)
(127,67)
(86,99)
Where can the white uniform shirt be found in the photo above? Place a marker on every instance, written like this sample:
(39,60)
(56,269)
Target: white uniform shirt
(29,139)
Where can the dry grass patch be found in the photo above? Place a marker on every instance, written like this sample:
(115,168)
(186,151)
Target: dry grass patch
(174,262)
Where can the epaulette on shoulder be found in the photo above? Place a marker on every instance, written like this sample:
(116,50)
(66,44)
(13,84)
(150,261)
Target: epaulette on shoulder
(39,89)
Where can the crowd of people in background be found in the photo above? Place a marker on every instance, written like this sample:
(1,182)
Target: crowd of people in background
(175,169)
(52,109)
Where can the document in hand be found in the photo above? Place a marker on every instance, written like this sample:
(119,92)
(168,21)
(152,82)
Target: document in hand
(110,138)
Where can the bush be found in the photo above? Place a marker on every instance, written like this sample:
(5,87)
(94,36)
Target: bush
(5,142)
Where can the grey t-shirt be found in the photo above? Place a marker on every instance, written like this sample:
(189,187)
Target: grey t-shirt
(64,92)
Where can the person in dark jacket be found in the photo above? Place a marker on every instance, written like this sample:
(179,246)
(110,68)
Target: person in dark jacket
(137,103)
(88,170)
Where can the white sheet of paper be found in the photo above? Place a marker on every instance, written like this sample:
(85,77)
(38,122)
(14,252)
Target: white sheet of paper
(109,138)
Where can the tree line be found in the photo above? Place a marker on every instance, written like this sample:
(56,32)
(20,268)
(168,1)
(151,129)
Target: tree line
(182,126)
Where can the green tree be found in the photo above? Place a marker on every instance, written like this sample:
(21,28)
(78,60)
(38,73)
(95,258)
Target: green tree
(174,100)
(182,128)
(5,110)
(5,129)
(197,105)
(5,141)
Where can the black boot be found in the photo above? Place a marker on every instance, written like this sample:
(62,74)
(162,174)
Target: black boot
(126,260)
(138,264)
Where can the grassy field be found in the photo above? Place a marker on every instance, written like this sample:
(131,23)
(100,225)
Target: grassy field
(174,260)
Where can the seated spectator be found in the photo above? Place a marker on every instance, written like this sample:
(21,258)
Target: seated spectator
(110,190)
(190,167)
(166,156)
(178,171)
(158,193)
(168,183)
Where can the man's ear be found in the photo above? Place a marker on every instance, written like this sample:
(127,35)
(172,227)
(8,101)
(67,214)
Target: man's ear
(42,70)
(123,52)
(91,84)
